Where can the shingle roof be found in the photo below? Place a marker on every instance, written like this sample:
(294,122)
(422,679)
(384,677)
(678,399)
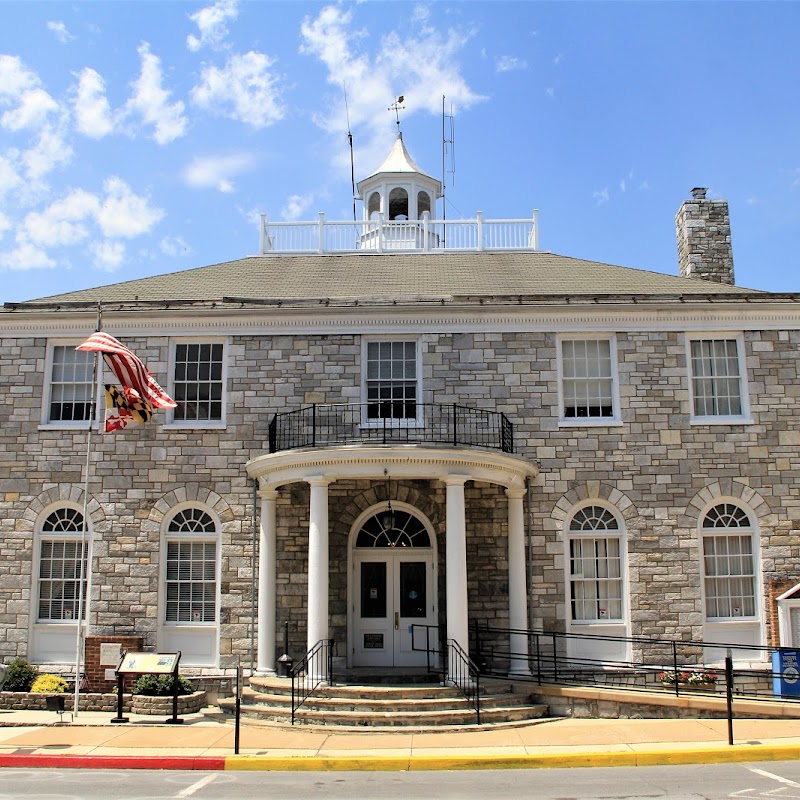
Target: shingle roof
(397,276)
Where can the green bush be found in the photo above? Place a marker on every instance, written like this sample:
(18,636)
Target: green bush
(49,684)
(161,685)
(20,676)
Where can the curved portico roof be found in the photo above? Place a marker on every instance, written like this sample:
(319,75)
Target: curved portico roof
(411,462)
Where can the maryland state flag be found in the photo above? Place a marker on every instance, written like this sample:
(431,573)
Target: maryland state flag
(140,393)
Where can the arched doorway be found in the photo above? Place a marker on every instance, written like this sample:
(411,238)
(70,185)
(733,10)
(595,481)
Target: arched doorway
(392,587)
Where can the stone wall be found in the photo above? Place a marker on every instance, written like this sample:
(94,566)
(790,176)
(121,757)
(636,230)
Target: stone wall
(656,468)
(704,239)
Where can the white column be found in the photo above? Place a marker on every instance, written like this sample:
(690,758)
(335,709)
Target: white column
(456,562)
(318,622)
(267,576)
(517,594)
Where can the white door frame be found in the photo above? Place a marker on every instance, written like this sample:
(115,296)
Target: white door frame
(355,558)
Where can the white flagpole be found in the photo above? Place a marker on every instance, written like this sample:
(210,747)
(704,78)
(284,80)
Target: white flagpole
(86,548)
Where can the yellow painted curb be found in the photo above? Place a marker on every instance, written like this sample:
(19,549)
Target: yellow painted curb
(463,761)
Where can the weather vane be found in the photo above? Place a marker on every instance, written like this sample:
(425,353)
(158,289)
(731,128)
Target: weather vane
(397,108)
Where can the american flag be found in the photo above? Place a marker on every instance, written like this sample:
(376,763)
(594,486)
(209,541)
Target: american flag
(130,371)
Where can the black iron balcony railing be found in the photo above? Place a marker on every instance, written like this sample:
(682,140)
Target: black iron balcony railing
(390,422)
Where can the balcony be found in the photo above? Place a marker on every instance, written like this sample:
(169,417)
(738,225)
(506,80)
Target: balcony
(390,422)
(379,236)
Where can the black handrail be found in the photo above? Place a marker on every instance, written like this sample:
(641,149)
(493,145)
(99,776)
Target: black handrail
(672,665)
(390,422)
(463,672)
(314,668)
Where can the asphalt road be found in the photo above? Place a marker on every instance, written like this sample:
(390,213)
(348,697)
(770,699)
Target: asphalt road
(696,782)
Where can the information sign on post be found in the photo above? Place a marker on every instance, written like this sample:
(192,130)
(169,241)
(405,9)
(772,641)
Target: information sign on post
(786,673)
(149,664)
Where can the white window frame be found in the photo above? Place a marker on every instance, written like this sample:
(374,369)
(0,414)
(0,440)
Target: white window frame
(47,394)
(615,417)
(719,419)
(408,422)
(172,421)
(190,537)
(45,536)
(748,531)
(618,534)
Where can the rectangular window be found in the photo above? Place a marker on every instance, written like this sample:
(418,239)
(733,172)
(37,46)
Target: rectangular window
(729,576)
(595,568)
(716,378)
(391,380)
(587,379)
(191,581)
(62,564)
(198,382)
(71,385)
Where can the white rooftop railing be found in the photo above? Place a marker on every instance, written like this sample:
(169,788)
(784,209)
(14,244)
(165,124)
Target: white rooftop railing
(419,236)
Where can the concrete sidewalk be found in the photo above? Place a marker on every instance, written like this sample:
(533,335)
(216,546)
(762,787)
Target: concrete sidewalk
(34,738)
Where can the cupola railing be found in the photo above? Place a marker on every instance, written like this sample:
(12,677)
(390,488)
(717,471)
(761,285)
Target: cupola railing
(378,235)
(390,422)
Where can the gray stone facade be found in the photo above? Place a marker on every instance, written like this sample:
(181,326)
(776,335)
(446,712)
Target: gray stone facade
(704,239)
(657,468)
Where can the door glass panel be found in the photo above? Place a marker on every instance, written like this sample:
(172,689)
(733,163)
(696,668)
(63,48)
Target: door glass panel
(373,589)
(412,589)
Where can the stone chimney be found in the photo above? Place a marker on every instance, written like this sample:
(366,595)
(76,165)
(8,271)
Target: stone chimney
(704,239)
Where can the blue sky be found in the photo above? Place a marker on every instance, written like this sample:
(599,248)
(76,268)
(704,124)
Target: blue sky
(145,137)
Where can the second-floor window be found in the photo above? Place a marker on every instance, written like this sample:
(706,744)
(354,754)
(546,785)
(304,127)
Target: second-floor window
(717,378)
(391,385)
(70,390)
(587,380)
(198,382)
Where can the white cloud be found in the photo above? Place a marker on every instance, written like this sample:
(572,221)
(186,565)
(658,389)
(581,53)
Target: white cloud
(60,31)
(9,177)
(296,206)
(123,214)
(5,224)
(34,107)
(212,22)
(15,78)
(108,255)
(601,195)
(216,172)
(558,59)
(150,101)
(25,256)
(423,65)
(49,152)
(510,64)
(244,90)
(61,224)
(92,110)
(174,246)
(550,91)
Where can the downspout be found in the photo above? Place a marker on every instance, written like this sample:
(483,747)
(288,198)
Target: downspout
(253,584)
(529,532)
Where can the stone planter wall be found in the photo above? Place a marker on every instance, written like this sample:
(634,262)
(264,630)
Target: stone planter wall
(88,701)
(162,706)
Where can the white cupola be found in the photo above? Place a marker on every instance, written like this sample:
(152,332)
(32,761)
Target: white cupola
(399,190)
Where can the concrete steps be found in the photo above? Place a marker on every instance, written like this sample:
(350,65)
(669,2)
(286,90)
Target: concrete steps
(417,706)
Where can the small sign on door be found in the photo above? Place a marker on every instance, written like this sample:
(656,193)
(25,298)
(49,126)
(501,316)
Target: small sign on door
(373,641)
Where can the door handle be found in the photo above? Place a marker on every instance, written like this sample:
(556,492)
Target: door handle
(397,620)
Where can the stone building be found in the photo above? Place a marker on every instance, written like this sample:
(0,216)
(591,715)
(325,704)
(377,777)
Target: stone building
(400,422)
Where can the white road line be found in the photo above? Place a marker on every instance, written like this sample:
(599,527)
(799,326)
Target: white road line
(778,778)
(190,790)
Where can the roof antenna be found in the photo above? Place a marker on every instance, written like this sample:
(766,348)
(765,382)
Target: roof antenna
(350,139)
(397,108)
(452,150)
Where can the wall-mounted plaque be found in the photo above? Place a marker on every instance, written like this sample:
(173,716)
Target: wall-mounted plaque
(373,641)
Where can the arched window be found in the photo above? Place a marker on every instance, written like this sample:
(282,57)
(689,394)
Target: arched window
(728,563)
(398,529)
(423,203)
(398,204)
(374,205)
(62,566)
(191,568)
(595,565)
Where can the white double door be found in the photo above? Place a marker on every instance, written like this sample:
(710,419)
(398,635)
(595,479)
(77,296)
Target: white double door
(393,591)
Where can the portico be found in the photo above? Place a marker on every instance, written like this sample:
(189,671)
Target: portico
(453,467)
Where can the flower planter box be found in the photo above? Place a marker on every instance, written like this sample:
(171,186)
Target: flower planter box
(162,706)
(691,687)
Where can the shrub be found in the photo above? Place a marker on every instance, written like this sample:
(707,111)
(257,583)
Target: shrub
(20,676)
(49,684)
(161,685)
